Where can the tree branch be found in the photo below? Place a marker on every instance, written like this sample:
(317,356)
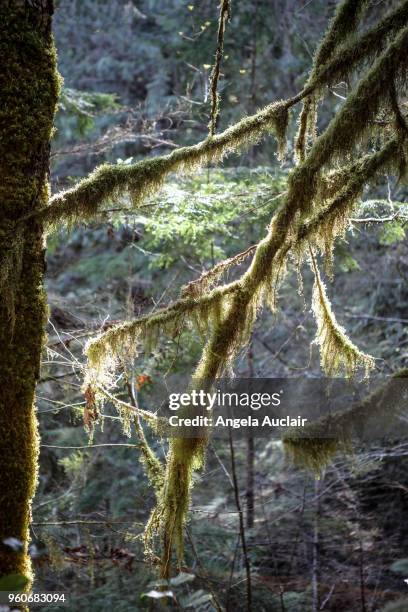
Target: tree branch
(86,199)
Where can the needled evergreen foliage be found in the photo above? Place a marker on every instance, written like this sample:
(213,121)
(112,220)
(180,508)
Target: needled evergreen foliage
(321,195)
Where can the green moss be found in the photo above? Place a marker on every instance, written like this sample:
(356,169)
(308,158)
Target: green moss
(29,86)
(321,193)
(139,180)
(144,178)
(314,446)
(349,55)
(341,27)
(336,56)
(109,182)
(338,353)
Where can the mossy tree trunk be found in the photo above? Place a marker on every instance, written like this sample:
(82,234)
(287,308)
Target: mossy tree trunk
(28,96)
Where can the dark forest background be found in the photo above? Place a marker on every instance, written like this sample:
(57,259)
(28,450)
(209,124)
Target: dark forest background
(136,78)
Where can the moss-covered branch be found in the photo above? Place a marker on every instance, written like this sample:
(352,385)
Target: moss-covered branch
(208,279)
(341,27)
(149,417)
(339,137)
(144,178)
(103,350)
(315,445)
(369,45)
(316,207)
(86,199)
(341,190)
(132,413)
(186,455)
(258,283)
(330,67)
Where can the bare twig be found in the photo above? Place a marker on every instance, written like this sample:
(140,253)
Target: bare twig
(225,14)
(204,573)
(241,526)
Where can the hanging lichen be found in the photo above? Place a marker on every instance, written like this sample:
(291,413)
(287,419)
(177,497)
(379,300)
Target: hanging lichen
(107,182)
(314,446)
(322,193)
(336,57)
(337,353)
(142,179)
(342,26)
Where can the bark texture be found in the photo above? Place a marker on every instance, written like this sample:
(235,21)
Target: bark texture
(29,86)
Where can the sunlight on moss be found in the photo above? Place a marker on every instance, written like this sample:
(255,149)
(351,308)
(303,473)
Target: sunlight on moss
(322,191)
(338,353)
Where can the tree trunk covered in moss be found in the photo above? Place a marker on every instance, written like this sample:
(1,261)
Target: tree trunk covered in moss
(28,95)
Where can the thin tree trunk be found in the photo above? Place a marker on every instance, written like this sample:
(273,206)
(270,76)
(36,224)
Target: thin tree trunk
(28,96)
(252,103)
(315,562)
(250,497)
(241,526)
(361,571)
